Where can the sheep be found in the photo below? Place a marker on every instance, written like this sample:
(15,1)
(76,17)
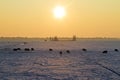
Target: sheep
(27,49)
(60,53)
(67,51)
(116,50)
(19,49)
(105,52)
(84,49)
(50,49)
(32,49)
(24,43)
(16,49)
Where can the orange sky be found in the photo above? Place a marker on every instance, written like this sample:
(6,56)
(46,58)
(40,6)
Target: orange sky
(84,18)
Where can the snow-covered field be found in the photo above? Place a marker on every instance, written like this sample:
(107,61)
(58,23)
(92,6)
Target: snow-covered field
(42,64)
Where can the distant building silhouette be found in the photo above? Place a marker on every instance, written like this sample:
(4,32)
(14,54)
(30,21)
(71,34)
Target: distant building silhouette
(74,38)
(54,38)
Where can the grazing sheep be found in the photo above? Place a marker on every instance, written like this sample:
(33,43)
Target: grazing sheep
(50,49)
(27,49)
(32,49)
(60,53)
(68,51)
(105,52)
(15,49)
(24,43)
(18,49)
(116,50)
(84,49)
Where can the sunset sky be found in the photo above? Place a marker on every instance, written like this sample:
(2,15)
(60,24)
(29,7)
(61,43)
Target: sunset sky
(84,18)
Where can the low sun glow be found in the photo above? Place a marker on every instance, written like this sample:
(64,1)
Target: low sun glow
(59,12)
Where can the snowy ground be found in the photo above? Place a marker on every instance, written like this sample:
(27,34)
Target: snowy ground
(42,64)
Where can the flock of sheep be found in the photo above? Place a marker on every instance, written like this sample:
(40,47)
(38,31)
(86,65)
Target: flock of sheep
(60,52)
(116,50)
(25,49)
(67,51)
(84,50)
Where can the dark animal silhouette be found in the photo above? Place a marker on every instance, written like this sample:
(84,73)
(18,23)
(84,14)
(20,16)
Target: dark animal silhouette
(67,51)
(60,53)
(27,49)
(84,49)
(50,49)
(32,49)
(16,49)
(116,50)
(24,43)
(105,52)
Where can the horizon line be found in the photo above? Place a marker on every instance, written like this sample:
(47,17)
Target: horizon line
(64,37)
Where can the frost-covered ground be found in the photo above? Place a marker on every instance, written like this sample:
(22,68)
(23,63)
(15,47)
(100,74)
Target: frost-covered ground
(42,64)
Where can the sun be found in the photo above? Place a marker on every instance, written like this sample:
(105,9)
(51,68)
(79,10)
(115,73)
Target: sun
(59,12)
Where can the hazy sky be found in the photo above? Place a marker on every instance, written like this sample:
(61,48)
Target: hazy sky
(84,18)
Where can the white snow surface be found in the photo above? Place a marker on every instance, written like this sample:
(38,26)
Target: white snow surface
(42,64)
